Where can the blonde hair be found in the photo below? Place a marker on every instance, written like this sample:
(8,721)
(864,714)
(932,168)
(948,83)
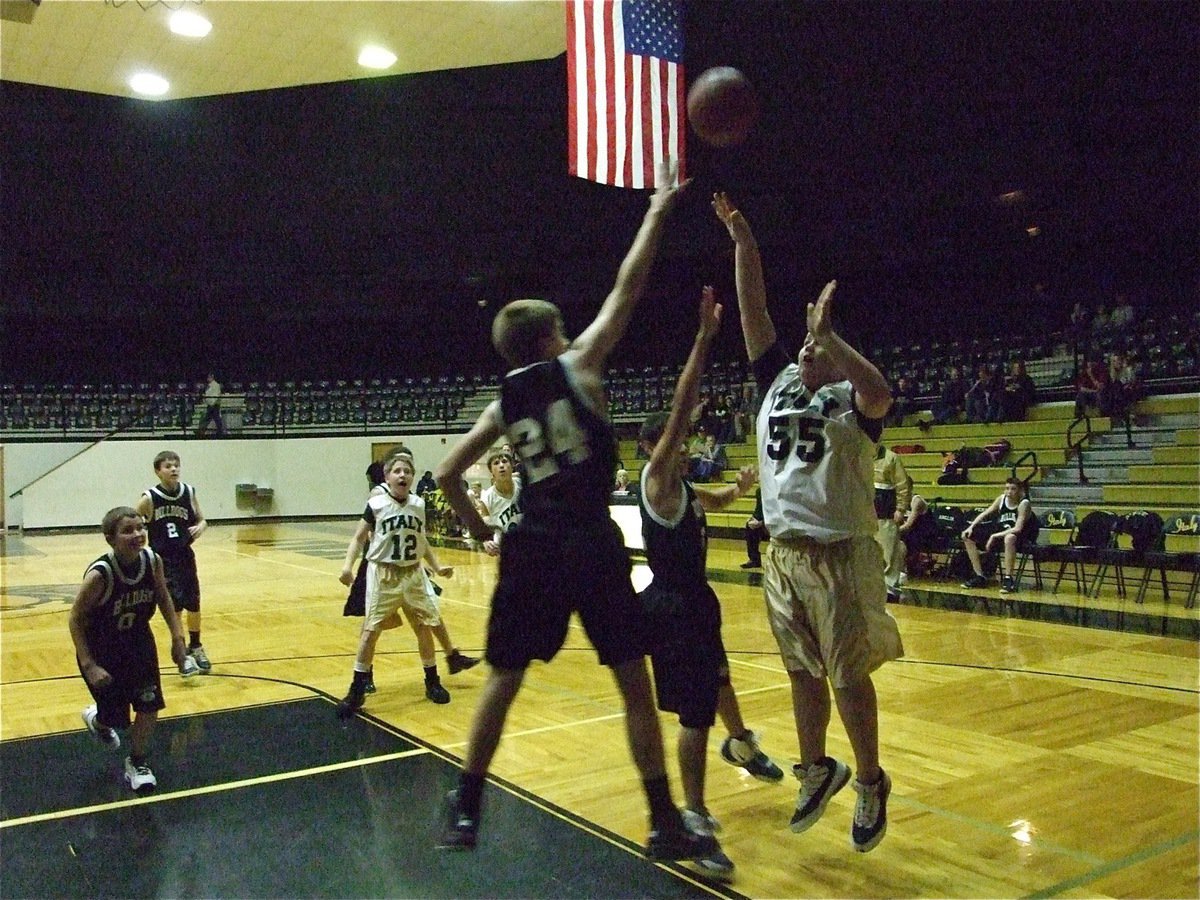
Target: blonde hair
(521,327)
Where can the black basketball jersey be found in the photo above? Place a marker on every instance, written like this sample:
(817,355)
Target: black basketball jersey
(568,450)
(1007,516)
(170,520)
(128,602)
(677,554)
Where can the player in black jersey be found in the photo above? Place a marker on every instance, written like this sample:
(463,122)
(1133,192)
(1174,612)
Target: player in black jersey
(174,520)
(691,671)
(114,647)
(566,553)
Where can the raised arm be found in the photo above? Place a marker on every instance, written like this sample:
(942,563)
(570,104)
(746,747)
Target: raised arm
(449,473)
(873,394)
(757,326)
(662,471)
(597,340)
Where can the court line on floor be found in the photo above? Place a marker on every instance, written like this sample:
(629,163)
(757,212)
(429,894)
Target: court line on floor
(211,788)
(1116,865)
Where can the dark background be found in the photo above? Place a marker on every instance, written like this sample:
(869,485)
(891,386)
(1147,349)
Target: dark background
(354,229)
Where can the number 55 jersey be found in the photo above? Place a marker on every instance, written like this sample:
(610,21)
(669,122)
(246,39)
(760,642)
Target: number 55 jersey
(816,456)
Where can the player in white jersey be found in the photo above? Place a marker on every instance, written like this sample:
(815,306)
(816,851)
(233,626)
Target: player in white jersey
(820,420)
(394,525)
(501,501)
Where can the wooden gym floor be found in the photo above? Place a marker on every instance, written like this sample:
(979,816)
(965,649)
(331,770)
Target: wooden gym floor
(1030,758)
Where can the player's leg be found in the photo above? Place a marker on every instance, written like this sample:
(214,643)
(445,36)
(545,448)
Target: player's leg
(740,748)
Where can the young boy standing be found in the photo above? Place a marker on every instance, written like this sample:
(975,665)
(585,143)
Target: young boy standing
(174,520)
(566,554)
(114,646)
(501,501)
(691,671)
(393,529)
(820,419)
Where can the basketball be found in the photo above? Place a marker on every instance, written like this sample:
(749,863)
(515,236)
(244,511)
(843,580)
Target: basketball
(722,106)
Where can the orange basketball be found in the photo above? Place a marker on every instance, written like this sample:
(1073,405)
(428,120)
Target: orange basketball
(722,106)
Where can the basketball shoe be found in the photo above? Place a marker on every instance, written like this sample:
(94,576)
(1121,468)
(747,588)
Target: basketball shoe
(744,753)
(818,783)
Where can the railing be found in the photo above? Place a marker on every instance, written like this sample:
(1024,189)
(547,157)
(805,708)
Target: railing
(1076,446)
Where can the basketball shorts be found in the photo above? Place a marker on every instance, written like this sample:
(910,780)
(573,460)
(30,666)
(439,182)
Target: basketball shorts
(136,682)
(182,581)
(827,606)
(683,636)
(547,572)
(392,589)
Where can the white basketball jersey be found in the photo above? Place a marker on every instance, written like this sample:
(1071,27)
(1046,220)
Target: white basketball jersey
(397,529)
(503,512)
(816,462)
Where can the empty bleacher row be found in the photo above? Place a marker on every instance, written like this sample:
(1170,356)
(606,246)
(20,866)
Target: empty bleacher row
(43,410)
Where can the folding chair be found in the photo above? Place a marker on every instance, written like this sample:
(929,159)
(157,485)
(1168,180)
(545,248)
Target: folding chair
(1053,522)
(1145,532)
(1184,528)
(1095,533)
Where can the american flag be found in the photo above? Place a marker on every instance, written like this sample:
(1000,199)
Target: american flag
(625,89)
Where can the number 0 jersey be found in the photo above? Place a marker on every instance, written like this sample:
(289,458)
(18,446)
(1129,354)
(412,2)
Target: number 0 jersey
(568,448)
(397,528)
(816,456)
(125,607)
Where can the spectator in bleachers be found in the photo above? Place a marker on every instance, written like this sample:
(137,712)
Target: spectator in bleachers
(1100,322)
(746,411)
(711,462)
(426,485)
(1019,392)
(1091,385)
(722,418)
(1123,388)
(1122,314)
(621,483)
(905,401)
(985,398)
(952,401)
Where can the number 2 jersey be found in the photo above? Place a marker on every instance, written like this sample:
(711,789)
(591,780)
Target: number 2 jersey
(816,455)
(172,516)
(397,528)
(567,447)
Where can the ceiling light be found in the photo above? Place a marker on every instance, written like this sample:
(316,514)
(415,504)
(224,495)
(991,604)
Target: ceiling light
(148,84)
(376,58)
(190,24)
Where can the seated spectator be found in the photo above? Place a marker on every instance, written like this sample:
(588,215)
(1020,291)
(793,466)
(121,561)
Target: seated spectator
(1091,385)
(953,399)
(985,398)
(425,486)
(904,401)
(621,484)
(1100,322)
(722,418)
(711,462)
(919,531)
(1123,388)
(1019,392)
(1122,314)
(747,409)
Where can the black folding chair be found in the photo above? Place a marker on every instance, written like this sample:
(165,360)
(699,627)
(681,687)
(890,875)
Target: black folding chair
(1095,533)
(1163,560)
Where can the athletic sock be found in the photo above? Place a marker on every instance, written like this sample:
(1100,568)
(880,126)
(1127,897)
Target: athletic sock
(470,793)
(663,813)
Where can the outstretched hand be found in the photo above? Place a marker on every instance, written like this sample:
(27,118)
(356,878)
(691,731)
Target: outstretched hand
(739,228)
(820,321)
(710,314)
(667,186)
(746,477)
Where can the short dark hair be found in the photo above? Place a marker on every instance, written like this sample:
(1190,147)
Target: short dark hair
(165,456)
(520,328)
(112,518)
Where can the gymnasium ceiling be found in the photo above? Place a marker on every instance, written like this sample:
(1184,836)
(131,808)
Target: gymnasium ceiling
(96,45)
